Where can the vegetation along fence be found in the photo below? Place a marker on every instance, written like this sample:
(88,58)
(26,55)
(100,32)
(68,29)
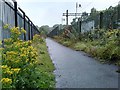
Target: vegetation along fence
(106,19)
(13,15)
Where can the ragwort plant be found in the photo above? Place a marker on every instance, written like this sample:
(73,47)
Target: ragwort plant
(19,62)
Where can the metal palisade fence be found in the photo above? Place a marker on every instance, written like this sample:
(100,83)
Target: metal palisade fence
(15,16)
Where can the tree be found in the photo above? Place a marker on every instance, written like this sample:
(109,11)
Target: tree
(84,15)
(54,26)
(93,11)
(44,30)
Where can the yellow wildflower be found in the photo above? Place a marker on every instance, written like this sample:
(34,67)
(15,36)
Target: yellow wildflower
(29,42)
(6,26)
(27,60)
(6,81)
(15,70)
(23,31)
(11,53)
(30,48)
(18,44)
(15,31)
(5,40)
(17,28)
(17,61)
(22,49)
(22,55)
(35,62)
(9,72)
(4,66)
(1,49)
(0,42)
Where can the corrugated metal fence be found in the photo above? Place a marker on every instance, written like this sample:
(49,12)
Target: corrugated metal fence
(15,16)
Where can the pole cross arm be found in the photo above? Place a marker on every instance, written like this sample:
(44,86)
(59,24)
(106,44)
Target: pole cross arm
(72,14)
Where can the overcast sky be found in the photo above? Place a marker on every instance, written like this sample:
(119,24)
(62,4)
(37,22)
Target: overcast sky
(49,12)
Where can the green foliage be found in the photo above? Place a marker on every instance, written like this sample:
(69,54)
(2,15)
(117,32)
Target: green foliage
(80,46)
(46,67)
(21,64)
(66,43)
(44,30)
(103,44)
(18,62)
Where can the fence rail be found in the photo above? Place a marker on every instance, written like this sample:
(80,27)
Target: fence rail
(15,16)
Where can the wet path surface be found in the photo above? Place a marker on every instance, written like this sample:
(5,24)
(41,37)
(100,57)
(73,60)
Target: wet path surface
(75,70)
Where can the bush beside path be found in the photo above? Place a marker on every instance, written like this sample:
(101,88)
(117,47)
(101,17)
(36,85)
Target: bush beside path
(26,64)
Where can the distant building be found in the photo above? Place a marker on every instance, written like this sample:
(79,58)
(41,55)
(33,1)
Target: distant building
(87,26)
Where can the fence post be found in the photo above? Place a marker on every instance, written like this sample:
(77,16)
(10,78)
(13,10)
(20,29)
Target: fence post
(31,31)
(24,25)
(79,25)
(23,21)
(15,10)
(28,29)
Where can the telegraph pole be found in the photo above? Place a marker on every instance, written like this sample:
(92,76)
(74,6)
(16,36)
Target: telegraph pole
(73,14)
(70,14)
(66,17)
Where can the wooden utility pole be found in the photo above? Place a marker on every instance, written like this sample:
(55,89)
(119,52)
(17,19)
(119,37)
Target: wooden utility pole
(70,14)
(73,14)
(66,17)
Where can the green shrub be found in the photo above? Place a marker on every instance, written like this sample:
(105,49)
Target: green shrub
(21,64)
(115,54)
(80,46)
(103,44)
(67,43)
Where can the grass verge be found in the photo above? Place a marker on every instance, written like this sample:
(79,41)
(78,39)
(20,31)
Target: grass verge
(46,66)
